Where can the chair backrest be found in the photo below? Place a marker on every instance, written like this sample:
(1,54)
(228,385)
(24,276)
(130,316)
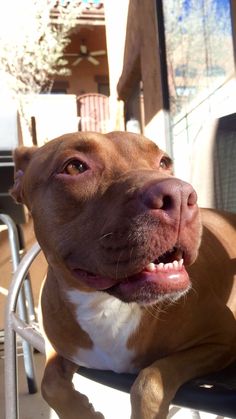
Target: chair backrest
(93,109)
(7,203)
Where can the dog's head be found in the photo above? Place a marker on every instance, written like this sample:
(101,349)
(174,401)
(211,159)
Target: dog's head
(109,215)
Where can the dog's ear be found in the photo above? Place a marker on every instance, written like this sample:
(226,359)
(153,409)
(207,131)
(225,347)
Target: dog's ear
(21,158)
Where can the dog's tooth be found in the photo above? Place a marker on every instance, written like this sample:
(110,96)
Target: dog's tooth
(181,262)
(151,267)
(175,264)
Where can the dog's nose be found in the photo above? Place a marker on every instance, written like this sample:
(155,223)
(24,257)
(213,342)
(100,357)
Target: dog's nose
(172,197)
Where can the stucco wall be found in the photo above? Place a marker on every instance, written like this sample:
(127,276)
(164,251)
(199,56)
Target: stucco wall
(83,76)
(55,115)
(116,20)
(134,55)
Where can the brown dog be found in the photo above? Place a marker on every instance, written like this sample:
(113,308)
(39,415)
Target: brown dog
(118,231)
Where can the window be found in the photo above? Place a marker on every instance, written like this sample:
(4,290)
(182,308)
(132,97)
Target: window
(199,49)
(185,90)
(215,71)
(183,71)
(60,87)
(103,85)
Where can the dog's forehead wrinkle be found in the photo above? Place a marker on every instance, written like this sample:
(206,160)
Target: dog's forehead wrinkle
(132,139)
(59,147)
(103,150)
(85,145)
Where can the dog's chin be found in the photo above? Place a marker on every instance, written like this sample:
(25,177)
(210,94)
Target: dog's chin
(153,284)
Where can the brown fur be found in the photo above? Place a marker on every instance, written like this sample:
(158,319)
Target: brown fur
(124,210)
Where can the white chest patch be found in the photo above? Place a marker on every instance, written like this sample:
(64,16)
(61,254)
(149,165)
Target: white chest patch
(109,322)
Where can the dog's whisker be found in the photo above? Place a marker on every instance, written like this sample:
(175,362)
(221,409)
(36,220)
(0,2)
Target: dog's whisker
(156,310)
(131,251)
(105,235)
(117,264)
(152,312)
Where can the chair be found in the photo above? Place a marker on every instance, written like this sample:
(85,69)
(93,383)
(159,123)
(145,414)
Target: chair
(93,109)
(13,216)
(7,204)
(214,393)
(25,304)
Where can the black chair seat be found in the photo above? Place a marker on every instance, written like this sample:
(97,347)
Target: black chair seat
(214,393)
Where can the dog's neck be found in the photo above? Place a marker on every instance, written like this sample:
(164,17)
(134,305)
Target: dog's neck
(110,323)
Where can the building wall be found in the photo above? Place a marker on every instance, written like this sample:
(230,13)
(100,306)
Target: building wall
(233,14)
(83,78)
(56,114)
(116,13)
(133,56)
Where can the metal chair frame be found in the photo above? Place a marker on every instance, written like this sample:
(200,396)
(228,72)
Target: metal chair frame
(25,304)
(19,324)
(215,393)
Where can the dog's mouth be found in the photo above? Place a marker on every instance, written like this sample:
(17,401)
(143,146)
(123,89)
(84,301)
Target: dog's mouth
(162,277)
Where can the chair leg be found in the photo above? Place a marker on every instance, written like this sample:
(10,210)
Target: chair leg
(11,379)
(27,349)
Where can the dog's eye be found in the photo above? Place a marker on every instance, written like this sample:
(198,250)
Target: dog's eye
(165,163)
(75,167)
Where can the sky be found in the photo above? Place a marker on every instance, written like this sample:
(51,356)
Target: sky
(220,3)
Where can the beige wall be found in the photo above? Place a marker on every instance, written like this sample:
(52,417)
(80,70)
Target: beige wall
(133,55)
(116,20)
(55,115)
(83,76)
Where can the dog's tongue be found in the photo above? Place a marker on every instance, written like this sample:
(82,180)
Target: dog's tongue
(168,273)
